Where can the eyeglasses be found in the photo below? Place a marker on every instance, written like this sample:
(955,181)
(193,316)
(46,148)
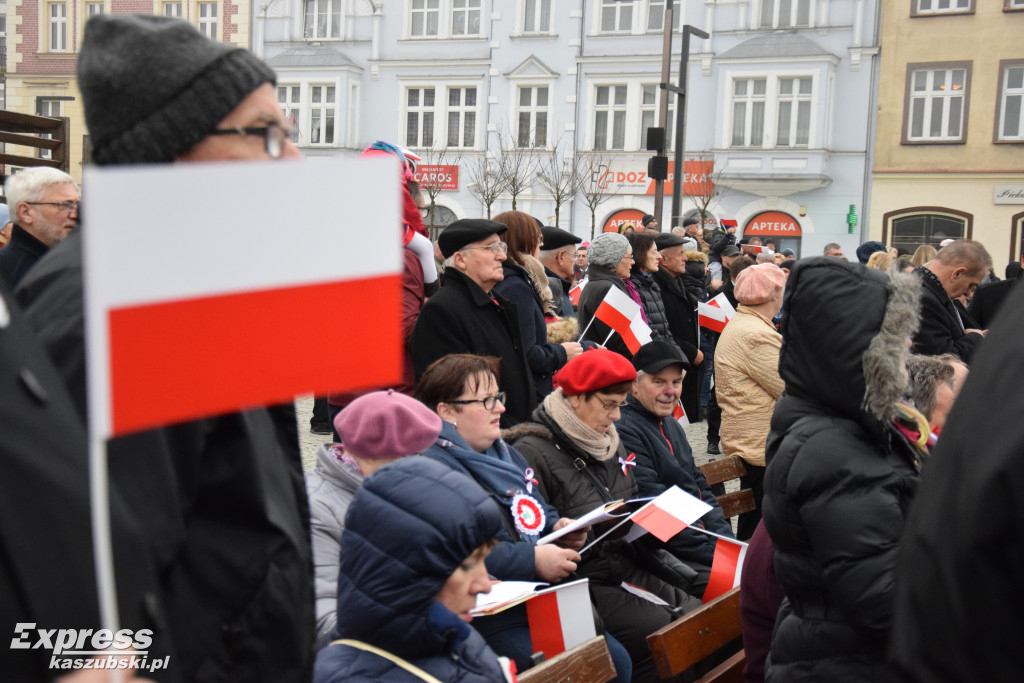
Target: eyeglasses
(274,136)
(66,206)
(612,405)
(488,401)
(495,247)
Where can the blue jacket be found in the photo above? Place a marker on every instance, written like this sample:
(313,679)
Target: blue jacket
(658,467)
(409,527)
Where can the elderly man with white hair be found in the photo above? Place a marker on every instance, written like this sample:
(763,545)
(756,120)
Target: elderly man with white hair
(43,203)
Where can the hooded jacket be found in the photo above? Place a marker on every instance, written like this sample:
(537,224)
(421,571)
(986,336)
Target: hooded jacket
(601,280)
(840,477)
(410,526)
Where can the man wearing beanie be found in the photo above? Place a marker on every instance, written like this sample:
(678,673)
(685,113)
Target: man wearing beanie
(221,500)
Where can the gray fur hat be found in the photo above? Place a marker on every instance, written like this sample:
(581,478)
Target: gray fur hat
(607,249)
(153,87)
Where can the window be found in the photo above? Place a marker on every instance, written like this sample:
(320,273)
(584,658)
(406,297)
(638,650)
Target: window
(172,9)
(58,25)
(93,9)
(323,19)
(425,17)
(785,13)
(419,117)
(465,17)
(52,108)
(656,15)
(649,115)
(616,16)
(936,104)
(461,117)
(208,19)
(533,116)
(290,103)
(748,102)
(321,114)
(1011,96)
(1009,5)
(794,124)
(537,16)
(610,117)
(911,231)
(941,6)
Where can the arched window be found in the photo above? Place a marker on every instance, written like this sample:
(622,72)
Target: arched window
(910,228)
(438,219)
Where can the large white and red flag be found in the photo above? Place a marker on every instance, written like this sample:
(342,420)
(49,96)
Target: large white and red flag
(560,618)
(670,513)
(680,415)
(716,313)
(622,314)
(215,287)
(726,566)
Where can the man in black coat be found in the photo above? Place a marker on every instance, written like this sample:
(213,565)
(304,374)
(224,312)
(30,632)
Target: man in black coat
(465,316)
(221,501)
(989,297)
(681,311)
(44,202)
(558,254)
(956,270)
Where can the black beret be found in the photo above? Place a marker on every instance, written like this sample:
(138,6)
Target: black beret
(646,219)
(730,250)
(655,356)
(556,238)
(666,240)
(466,231)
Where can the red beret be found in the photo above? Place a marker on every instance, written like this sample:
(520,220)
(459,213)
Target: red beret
(593,371)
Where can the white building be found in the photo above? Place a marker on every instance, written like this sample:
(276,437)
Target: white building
(780,98)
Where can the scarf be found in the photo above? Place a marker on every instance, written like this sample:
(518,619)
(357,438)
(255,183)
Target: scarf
(599,446)
(539,279)
(635,296)
(914,427)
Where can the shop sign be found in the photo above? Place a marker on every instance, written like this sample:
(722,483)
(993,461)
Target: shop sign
(440,176)
(1008,194)
(617,219)
(772,223)
(631,178)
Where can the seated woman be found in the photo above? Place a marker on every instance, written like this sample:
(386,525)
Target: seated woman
(376,429)
(574,449)
(412,563)
(463,389)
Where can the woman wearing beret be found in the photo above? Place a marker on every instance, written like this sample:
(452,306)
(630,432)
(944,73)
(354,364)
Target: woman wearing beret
(412,563)
(610,258)
(463,389)
(376,429)
(573,447)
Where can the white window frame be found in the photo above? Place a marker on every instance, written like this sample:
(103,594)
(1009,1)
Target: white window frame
(57,26)
(928,98)
(659,6)
(208,24)
(171,9)
(462,18)
(615,108)
(332,14)
(291,107)
(327,112)
(422,110)
(653,109)
(932,7)
(442,113)
(445,12)
(91,8)
(51,105)
(779,9)
(749,99)
(1013,5)
(423,10)
(533,14)
(620,7)
(799,102)
(1007,93)
(534,110)
(771,101)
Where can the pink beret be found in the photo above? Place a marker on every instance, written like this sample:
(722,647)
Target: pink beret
(759,284)
(593,371)
(386,424)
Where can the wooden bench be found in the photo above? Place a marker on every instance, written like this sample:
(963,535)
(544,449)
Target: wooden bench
(589,662)
(694,637)
(727,469)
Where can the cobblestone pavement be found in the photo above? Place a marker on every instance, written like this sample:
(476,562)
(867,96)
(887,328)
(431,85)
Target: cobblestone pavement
(696,434)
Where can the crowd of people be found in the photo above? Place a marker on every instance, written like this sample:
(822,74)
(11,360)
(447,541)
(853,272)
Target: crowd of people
(837,383)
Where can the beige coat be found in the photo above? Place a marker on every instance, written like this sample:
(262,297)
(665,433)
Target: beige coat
(747,383)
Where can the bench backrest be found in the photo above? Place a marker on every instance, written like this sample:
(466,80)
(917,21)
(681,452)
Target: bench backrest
(727,469)
(589,662)
(695,636)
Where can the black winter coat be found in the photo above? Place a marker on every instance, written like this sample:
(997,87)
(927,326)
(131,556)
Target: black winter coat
(560,294)
(601,280)
(222,502)
(654,307)
(543,357)
(681,313)
(720,239)
(988,299)
(839,480)
(942,330)
(462,318)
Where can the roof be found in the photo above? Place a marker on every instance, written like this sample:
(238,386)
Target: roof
(782,44)
(310,55)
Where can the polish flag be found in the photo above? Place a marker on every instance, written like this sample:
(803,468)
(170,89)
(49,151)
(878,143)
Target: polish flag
(754,249)
(726,567)
(716,313)
(680,415)
(212,288)
(575,292)
(560,618)
(670,513)
(622,314)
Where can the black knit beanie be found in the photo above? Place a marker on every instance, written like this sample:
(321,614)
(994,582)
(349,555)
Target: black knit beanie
(154,87)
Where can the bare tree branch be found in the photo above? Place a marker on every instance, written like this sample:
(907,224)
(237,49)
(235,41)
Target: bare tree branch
(517,165)
(595,186)
(706,190)
(433,183)
(485,180)
(560,171)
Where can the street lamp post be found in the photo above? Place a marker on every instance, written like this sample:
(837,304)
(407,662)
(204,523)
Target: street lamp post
(680,90)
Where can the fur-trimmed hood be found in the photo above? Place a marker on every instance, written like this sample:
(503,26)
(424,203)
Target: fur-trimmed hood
(526,429)
(845,336)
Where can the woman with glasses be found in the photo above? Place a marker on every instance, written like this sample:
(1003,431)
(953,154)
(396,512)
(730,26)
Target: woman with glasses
(610,258)
(574,449)
(463,390)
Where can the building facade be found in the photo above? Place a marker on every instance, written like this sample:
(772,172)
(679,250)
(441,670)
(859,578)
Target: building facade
(43,39)
(779,107)
(950,128)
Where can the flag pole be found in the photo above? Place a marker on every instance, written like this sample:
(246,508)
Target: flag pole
(102,545)
(605,342)
(584,332)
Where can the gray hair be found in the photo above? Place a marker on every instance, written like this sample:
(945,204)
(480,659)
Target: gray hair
(830,246)
(925,374)
(30,184)
(607,249)
(965,253)
(679,231)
